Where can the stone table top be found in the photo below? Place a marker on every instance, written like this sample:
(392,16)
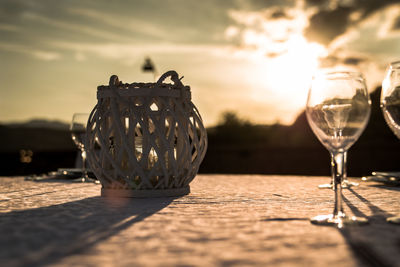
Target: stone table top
(226,220)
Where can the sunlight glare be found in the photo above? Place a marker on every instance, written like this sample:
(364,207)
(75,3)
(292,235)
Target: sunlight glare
(287,76)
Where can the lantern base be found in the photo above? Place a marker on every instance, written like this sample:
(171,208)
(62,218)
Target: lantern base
(173,192)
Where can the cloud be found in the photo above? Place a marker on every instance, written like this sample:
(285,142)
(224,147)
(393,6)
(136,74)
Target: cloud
(353,60)
(375,35)
(359,37)
(71,26)
(9,27)
(396,24)
(130,24)
(79,56)
(231,32)
(45,55)
(129,53)
(235,51)
(389,22)
(269,32)
(279,13)
(331,23)
(37,53)
(334,18)
(327,24)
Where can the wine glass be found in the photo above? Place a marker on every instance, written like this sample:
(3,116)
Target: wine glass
(390,105)
(338,109)
(78,133)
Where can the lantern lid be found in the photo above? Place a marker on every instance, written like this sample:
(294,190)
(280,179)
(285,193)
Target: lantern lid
(117,88)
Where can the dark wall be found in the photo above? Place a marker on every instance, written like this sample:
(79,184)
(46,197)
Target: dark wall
(26,150)
(41,162)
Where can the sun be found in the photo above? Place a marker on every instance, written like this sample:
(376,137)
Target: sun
(293,70)
(278,61)
(286,76)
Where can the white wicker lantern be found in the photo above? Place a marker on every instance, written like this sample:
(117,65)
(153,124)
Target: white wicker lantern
(145,139)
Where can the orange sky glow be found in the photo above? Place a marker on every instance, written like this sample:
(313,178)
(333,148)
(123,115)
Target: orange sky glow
(252,57)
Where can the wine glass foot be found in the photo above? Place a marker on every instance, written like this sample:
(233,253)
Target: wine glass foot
(325,186)
(394,220)
(86,180)
(346,184)
(338,221)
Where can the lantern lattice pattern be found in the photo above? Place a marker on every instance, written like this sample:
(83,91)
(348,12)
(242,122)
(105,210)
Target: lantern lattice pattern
(145,139)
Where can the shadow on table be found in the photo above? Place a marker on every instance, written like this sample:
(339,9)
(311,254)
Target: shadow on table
(376,244)
(45,235)
(387,187)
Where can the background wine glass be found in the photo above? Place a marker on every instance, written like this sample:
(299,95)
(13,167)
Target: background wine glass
(78,134)
(338,109)
(390,105)
(345,184)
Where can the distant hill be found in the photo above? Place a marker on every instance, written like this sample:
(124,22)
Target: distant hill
(40,123)
(235,146)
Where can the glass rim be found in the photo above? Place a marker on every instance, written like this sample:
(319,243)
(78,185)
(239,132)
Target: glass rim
(80,114)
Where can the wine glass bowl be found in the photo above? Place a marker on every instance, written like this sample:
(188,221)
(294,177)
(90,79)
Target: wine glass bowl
(390,105)
(78,131)
(338,110)
(390,98)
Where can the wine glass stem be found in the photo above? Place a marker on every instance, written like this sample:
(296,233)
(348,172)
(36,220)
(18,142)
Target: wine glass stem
(84,170)
(338,170)
(344,166)
(344,179)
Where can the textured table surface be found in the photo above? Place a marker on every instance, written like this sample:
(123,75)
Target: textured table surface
(227,220)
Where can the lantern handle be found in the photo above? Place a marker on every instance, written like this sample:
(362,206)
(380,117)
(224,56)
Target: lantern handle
(174,77)
(114,84)
(114,81)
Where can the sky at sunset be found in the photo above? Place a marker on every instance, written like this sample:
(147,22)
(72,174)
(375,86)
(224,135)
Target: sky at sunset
(249,56)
